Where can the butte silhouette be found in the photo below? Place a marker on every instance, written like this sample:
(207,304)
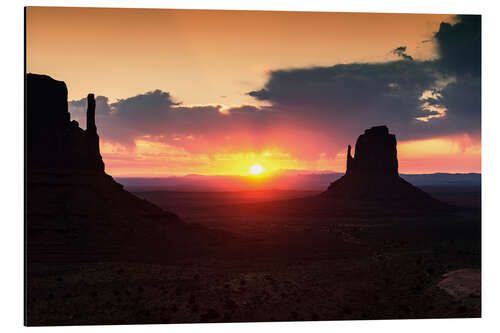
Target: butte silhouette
(372,178)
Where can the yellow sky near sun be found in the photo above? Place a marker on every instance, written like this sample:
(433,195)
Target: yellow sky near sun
(453,154)
(156,159)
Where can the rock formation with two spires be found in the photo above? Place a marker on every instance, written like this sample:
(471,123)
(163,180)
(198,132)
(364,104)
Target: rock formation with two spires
(74,209)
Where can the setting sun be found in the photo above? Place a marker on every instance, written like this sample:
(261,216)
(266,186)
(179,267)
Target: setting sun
(256,169)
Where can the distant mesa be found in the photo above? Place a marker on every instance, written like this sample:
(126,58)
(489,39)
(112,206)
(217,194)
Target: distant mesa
(372,175)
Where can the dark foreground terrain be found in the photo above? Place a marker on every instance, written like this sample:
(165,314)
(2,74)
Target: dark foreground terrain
(269,264)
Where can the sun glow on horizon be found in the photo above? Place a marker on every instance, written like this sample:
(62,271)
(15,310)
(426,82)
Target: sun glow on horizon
(151,158)
(256,169)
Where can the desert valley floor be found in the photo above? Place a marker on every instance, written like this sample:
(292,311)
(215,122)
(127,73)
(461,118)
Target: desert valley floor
(274,265)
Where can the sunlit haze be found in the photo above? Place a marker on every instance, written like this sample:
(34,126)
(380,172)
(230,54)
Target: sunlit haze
(256,169)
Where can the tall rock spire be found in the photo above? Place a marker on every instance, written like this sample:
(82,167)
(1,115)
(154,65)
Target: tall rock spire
(95,158)
(91,127)
(349,159)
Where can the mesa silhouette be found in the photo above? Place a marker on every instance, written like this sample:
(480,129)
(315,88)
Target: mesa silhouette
(372,176)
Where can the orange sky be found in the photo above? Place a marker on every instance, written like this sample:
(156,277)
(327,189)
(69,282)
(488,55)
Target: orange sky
(216,58)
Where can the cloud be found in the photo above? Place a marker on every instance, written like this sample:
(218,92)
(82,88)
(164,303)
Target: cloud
(102,105)
(348,98)
(462,99)
(401,52)
(459,45)
(155,116)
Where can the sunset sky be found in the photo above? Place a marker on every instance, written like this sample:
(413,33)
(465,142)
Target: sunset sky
(216,92)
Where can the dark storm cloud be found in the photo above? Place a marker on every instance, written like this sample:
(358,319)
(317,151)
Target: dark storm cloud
(459,45)
(401,52)
(351,97)
(463,102)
